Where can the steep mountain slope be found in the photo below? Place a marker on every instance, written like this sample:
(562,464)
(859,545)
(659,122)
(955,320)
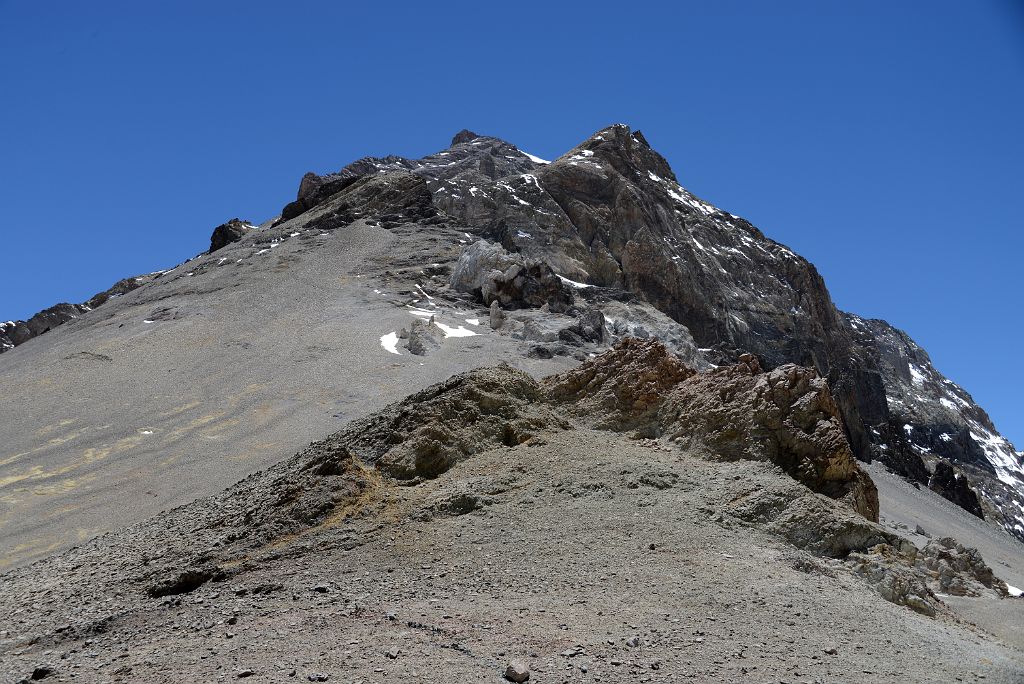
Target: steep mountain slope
(394,273)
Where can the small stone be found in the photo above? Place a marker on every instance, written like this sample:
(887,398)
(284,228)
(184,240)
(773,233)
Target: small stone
(318,677)
(321,589)
(245,673)
(391,653)
(831,650)
(634,642)
(517,671)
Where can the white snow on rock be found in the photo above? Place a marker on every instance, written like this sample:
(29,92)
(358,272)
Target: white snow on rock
(999,453)
(420,313)
(917,375)
(473,321)
(573,283)
(1014,591)
(390,342)
(535,159)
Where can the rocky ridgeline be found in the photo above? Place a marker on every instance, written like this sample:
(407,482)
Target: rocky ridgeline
(604,243)
(13,333)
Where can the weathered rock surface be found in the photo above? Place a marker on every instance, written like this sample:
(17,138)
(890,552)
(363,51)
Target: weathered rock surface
(786,416)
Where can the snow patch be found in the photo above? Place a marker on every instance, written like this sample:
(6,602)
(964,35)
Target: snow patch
(390,342)
(449,331)
(535,159)
(573,283)
(916,375)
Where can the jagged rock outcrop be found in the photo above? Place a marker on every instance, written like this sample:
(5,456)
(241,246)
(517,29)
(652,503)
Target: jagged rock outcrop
(957,570)
(786,416)
(953,486)
(226,233)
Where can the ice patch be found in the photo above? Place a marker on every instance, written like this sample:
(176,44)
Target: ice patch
(390,342)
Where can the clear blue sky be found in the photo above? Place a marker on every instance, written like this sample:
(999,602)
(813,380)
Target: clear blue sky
(884,141)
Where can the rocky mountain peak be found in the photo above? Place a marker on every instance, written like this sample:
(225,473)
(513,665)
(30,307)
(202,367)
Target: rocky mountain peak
(463,136)
(626,151)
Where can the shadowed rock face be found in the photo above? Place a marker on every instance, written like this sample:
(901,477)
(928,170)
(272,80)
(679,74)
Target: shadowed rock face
(946,482)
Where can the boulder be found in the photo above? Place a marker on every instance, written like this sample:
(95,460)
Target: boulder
(491,273)
(229,232)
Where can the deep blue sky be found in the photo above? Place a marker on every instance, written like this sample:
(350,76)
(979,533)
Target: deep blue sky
(881,140)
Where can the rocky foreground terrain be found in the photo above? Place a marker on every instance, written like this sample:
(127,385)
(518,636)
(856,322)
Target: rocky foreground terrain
(630,519)
(480,414)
